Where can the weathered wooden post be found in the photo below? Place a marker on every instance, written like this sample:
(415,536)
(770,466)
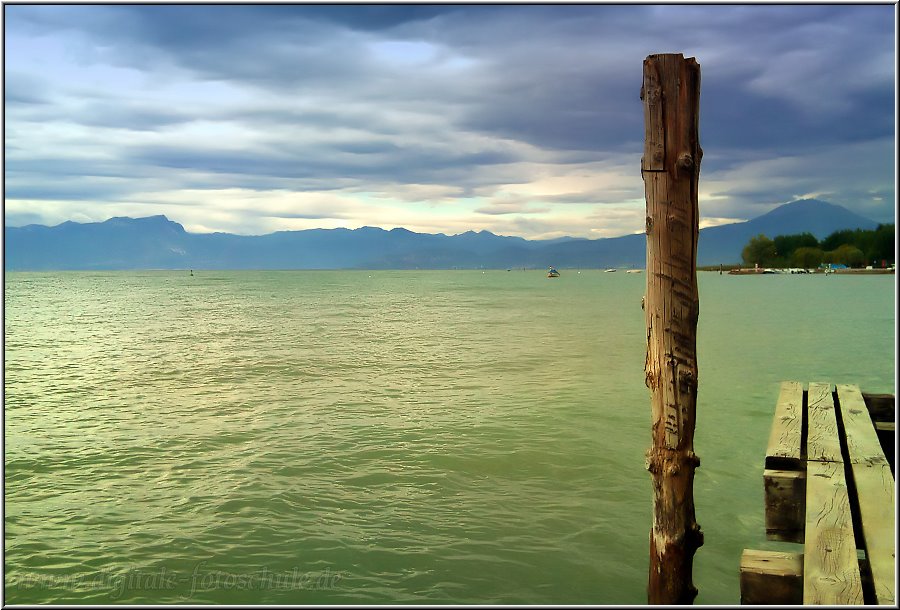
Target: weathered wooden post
(671,169)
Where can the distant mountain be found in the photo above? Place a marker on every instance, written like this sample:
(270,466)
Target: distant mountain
(159,243)
(156,242)
(118,243)
(723,244)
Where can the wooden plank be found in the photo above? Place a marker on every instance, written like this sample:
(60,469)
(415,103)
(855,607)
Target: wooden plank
(885,426)
(784,450)
(874,485)
(831,569)
(822,441)
(771,577)
(875,491)
(862,440)
(785,495)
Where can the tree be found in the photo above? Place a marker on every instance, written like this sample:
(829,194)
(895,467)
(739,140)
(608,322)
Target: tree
(883,248)
(851,247)
(760,250)
(808,258)
(848,255)
(785,245)
(838,238)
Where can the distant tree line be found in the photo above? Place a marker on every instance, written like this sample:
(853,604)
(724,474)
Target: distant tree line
(851,247)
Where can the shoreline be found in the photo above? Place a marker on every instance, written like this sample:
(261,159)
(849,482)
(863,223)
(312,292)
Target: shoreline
(814,272)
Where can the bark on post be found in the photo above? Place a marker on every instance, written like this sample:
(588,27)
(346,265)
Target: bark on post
(671,168)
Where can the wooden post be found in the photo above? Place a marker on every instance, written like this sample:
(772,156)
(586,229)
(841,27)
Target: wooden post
(671,168)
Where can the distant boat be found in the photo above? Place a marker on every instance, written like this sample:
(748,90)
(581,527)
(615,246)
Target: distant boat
(634,271)
(552,272)
(610,271)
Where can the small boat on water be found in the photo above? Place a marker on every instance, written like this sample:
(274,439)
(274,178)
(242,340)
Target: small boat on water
(634,271)
(610,270)
(552,272)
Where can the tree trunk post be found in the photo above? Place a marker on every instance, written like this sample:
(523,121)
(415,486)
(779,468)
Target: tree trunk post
(670,168)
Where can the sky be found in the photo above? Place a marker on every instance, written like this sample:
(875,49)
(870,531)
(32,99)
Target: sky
(518,119)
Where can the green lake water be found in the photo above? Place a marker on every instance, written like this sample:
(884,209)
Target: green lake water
(360,437)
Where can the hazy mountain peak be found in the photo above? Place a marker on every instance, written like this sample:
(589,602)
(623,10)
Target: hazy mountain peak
(818,213)
(159,220)
(723,244)
(800,206)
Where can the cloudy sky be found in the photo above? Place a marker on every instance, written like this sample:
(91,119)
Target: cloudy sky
(523,120)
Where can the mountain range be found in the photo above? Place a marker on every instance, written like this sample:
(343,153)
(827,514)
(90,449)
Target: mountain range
(156,242)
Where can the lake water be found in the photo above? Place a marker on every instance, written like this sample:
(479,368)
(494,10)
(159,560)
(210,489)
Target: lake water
(389,437)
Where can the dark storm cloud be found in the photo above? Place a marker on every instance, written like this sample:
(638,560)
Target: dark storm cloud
(425,92)
(371,17)
(554,76)
(777,77)
(322,162)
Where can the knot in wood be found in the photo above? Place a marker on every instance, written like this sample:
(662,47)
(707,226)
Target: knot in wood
(649,463)
(685,162)
(694,537)
(649,224)
(686,380)
(672,468)
(650,380)
(692,459)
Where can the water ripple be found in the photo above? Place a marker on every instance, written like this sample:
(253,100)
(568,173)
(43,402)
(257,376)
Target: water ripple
(360,437)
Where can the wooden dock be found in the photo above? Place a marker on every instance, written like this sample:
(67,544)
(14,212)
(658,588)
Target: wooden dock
(829,485)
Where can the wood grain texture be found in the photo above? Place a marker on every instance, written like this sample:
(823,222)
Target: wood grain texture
(785,498)
(822,441)
(862,439)
(842,442)
(875,491)
(654,158)
(771,577)
(831,569)
(784,450)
